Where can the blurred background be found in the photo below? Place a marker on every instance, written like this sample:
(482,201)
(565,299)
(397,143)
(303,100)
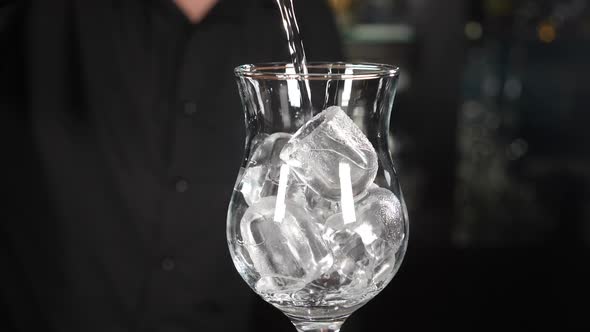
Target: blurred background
(491,144)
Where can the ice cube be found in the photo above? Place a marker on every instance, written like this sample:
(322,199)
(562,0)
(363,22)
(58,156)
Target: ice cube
(379,215)
(385,210)
(257,141)
(380,226)
(318,148)
(349,275)
(381,204)
(383,265)
(287,253)
(255,185)
(261,176)
(267,148)
(276,284)
(319,207)
(350,255)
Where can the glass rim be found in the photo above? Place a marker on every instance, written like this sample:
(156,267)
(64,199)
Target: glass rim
(271,71)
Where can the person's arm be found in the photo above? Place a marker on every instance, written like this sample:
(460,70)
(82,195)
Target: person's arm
(8,11)
(13,287)
(11,46)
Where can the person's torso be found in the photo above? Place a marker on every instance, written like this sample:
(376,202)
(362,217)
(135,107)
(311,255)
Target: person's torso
(136,138)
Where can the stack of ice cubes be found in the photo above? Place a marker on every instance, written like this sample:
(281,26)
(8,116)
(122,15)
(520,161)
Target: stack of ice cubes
(315,219)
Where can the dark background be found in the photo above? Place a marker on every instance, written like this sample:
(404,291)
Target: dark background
(491,140)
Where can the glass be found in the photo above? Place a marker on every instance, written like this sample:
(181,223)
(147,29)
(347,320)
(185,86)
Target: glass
(317,224)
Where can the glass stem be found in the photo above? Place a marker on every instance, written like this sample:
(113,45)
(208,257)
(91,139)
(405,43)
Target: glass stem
(319,330)
(317,326)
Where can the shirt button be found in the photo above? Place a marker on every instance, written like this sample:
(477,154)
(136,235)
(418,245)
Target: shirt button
(190,108)
(181,185)
(168,264)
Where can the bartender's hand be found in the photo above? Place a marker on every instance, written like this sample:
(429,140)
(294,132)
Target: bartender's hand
(195,10)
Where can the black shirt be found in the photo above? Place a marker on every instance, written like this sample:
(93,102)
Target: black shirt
(123,138)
